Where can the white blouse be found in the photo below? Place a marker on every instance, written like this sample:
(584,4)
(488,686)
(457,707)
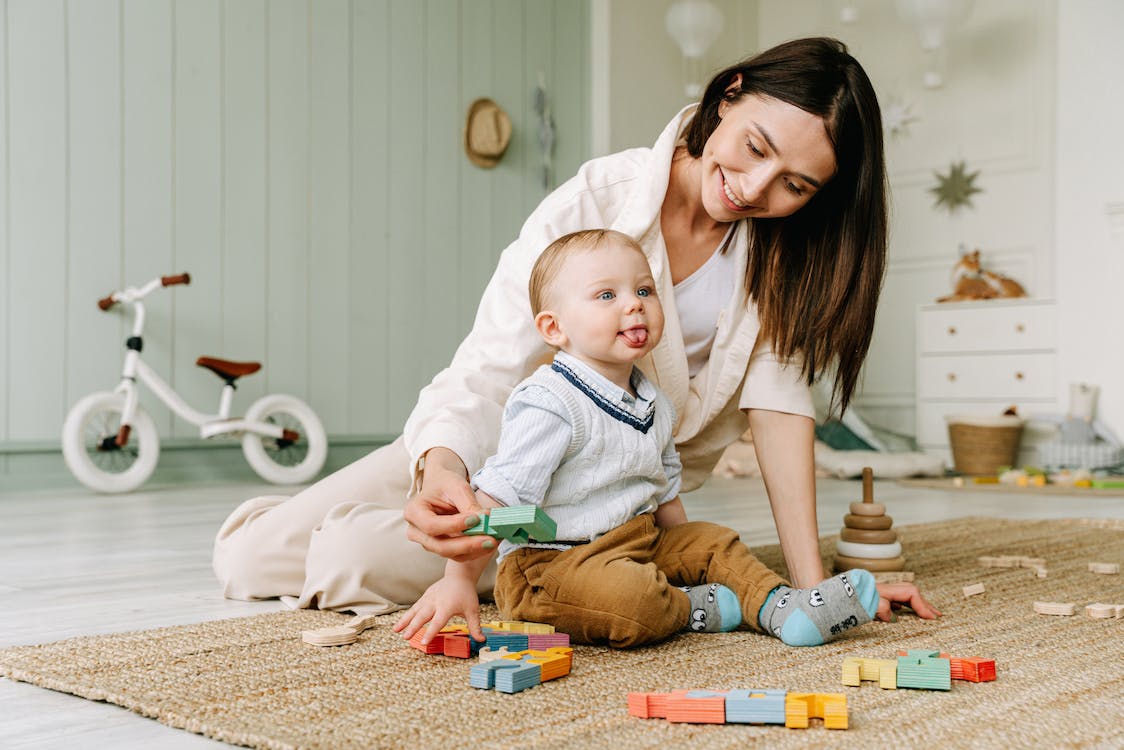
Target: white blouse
(700,299)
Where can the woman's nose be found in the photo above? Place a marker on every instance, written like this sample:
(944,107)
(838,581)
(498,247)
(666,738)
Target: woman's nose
(754,184)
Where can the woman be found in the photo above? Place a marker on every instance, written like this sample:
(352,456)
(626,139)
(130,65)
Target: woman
(763,216)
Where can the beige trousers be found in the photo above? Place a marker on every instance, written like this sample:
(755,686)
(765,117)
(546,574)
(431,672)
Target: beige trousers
(340,544)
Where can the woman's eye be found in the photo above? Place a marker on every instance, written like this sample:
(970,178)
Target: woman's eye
(606,295)
(753,149)
(793,188)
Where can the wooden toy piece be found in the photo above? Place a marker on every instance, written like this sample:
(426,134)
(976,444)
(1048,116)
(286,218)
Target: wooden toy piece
(898,576)
(831,707)
(339,635)
(755,707)
(973,589)
(924,670)
(1115,483)
(484,676)
(1103,611)
(1109,569)
(522,523)
(487,654)
(883,671)
(555,662)
(972,669)
(868,551)
(544,641)
(875,523)
(648,705)
(697,707)
(868,509)
(868,536)
(843,562)
(1061,609)
(519,626)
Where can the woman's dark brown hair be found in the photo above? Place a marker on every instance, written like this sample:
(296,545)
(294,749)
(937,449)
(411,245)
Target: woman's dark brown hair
(816,276)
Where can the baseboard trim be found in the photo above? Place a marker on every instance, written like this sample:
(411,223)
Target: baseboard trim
(39,465)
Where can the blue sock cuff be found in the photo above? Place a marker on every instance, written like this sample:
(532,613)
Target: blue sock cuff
(729,608)
(761,612)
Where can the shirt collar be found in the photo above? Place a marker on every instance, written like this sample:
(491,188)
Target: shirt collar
(610,397)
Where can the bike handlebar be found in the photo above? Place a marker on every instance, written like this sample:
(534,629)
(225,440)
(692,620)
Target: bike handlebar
(134,295)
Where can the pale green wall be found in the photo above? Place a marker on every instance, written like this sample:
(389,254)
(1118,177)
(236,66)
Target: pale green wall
(302,159)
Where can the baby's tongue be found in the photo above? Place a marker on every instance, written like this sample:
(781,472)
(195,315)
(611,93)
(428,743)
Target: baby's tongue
(635,336)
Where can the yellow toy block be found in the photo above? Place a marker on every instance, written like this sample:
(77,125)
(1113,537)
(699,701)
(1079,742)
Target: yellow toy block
(831,707)
(883,671)
(518,626)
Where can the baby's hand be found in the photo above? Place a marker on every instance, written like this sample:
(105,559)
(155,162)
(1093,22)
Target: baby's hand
(449,597)
(895,595)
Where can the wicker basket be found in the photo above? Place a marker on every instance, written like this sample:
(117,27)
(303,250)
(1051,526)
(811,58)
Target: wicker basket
(980,445)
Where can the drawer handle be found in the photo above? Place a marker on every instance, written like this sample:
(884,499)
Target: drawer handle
(952,330)
(952,377)
(1019,376)
(1020,328)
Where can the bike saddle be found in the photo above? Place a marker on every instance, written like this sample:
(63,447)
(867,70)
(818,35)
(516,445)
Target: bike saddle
(227,370)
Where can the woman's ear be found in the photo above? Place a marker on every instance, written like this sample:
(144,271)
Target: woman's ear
(547,325)
(735,84)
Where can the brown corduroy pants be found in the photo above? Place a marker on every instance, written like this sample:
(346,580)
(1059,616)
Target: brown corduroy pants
(621,589)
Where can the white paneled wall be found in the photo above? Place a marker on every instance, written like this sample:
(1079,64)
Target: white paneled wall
(995,112)
(302,159)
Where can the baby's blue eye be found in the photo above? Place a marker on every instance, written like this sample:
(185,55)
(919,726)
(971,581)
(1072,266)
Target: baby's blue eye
(644,292)
(606,295)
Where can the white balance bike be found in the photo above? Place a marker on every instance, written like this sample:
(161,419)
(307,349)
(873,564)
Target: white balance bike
(110,443)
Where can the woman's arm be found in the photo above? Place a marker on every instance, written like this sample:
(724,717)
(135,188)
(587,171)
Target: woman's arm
(784,451)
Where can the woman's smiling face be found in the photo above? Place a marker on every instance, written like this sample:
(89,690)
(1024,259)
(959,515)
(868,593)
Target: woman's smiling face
(765,160)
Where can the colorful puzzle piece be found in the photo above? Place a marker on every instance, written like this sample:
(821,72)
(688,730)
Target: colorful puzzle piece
(521,670)
(516,523)
(454,640)
(741,707)
(922,670)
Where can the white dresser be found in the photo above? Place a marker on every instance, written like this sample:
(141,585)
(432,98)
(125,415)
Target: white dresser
(980,358)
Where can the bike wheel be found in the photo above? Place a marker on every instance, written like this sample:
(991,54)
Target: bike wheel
(279,460)
(92,457)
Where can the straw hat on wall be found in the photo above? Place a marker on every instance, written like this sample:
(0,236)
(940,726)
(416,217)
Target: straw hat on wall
(487,131)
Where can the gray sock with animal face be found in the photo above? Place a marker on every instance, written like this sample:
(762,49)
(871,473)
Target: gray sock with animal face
(714,608)
(813,616)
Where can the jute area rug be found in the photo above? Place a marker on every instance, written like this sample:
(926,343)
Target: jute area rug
(251,681)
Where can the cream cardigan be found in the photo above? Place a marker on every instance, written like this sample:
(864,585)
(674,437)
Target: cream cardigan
(461,408)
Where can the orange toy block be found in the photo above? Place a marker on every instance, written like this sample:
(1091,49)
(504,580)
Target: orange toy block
(697,707)
(648,705)
(555,662)
(437,645)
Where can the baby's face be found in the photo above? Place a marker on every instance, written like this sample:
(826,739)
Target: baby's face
(605,303)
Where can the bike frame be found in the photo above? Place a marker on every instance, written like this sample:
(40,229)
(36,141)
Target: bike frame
(135,370)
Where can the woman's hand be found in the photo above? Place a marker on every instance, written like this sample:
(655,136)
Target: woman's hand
(451,596)
(895,595)
(444,508)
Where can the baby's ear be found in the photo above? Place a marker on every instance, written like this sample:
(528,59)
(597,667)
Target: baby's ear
(547,325)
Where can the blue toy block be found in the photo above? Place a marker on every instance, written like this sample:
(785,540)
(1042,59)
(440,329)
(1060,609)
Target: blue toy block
(755,706)
(483,675)
(525,675)
(499,638)
(924,670)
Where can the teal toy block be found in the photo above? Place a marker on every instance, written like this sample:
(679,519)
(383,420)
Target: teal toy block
(755,706)
(517,523)
(924,670)
(505,675)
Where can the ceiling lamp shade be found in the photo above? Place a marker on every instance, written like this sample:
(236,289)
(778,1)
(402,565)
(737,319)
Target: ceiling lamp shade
(694,25)
(934,20)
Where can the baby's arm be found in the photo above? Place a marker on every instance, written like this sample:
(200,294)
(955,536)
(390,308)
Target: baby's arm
(671,513)
(454,594)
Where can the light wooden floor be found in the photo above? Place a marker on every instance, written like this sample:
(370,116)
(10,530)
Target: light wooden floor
(74,563)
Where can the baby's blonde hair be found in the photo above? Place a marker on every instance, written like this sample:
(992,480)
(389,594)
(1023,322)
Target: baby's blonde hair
(548,265)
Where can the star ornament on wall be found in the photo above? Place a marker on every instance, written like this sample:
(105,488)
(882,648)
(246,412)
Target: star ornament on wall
(956,188)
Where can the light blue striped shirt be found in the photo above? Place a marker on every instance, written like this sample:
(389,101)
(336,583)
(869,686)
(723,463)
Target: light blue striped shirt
(584,449)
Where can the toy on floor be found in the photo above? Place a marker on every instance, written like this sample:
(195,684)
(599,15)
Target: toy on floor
(867,540)
(1105,611)
(339,635)
(1037,564)
(973,589)
(742,707)
(516,523)
(514,636)
(893,576)
(1059,609)
(1108,569)
(520,670)
(919,669)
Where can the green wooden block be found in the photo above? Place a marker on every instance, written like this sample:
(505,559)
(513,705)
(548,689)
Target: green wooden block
(522,523)
(922,670)
(480,529)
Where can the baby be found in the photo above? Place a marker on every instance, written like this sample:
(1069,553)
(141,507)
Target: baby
(589,439)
